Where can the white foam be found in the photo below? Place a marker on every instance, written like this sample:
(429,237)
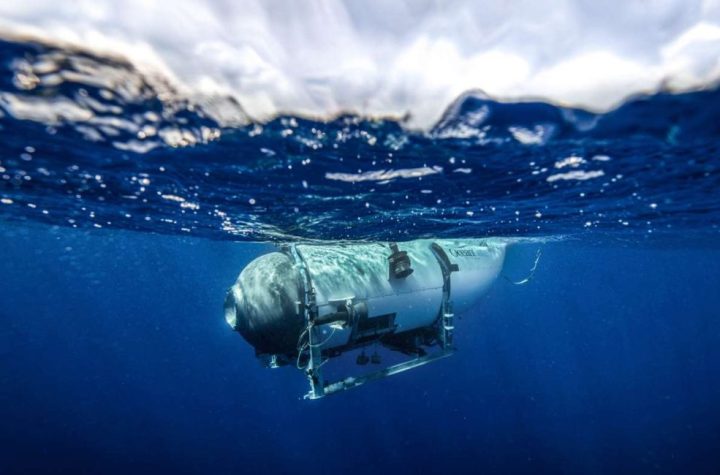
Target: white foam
(389,58)
(576,175)
(384,175)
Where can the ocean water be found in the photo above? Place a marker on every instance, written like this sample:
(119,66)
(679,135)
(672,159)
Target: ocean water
(127,208)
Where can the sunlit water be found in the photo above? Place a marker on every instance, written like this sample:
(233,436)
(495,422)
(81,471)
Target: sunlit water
(122,202)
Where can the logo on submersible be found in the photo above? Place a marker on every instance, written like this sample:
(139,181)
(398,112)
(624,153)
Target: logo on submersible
(462,253)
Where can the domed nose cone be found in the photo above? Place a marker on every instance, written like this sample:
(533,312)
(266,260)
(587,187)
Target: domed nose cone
(262,304)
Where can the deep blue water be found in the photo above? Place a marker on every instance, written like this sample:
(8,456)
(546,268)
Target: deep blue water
(127,210)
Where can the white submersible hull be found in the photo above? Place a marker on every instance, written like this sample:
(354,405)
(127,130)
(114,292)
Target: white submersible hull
(309,303)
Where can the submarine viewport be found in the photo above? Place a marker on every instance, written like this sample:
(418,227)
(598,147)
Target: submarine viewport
(307,304)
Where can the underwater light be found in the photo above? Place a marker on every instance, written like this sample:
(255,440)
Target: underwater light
(307,304)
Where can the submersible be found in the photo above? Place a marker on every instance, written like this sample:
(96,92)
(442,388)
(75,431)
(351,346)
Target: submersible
(308,303)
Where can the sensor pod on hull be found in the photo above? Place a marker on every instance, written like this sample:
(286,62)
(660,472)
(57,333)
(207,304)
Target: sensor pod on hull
(310,303)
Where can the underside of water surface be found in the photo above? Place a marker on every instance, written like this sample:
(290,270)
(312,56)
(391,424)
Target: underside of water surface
(91,142)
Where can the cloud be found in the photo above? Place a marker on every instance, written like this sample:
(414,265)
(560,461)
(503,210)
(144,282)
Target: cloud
(380,58)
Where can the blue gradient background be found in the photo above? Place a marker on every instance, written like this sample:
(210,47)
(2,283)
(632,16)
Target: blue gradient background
(114,358)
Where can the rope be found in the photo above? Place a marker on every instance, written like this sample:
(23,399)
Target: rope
(316,345)
(531,274)
(301,347)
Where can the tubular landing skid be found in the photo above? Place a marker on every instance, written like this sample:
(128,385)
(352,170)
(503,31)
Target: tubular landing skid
(319,390)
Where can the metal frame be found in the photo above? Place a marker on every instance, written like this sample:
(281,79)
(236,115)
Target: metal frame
(447,322)
(354,382)
(308,309)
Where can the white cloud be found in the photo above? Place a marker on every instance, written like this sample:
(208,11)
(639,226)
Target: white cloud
(322,57)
